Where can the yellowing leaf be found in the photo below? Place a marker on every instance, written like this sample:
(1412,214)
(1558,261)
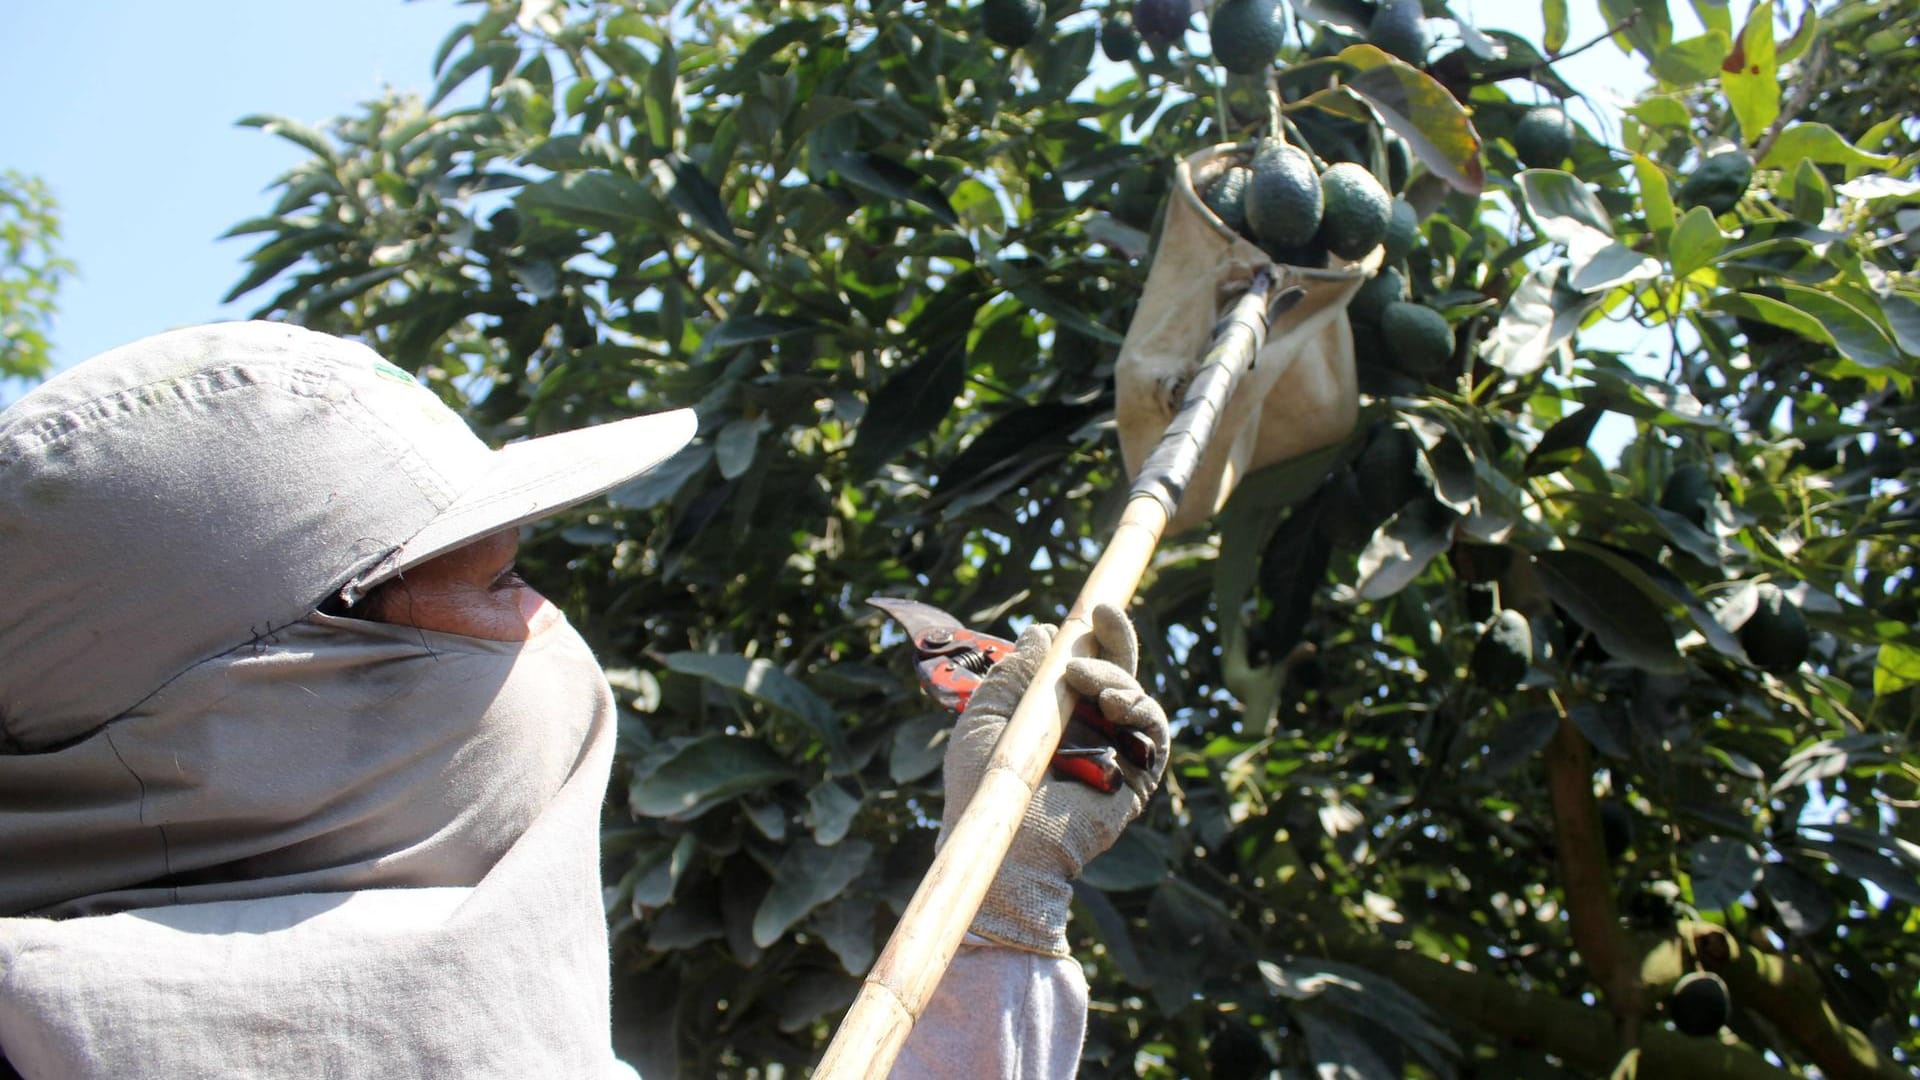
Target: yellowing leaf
(1751,76)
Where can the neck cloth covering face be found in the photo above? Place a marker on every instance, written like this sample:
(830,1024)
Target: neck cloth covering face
(354,850)
(239,838)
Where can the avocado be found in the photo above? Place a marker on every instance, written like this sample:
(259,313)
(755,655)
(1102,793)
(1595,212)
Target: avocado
(1399,27)
(1403,228)
(1162,22)
(1356,211)
(1371,299)
(1719,183)
(1544,137)
(1011,23)
(1247,34)
(1418,339)
(1227,197)
(1689,492)
(1700,1004)
(1503,653)
(1119,41)
(1387,470)
(1775,635)
(1284,202)
(1399,161)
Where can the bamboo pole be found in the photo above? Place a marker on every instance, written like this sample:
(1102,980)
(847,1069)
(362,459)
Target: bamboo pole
(901,982)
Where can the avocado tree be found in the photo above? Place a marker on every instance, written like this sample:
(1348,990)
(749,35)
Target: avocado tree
(31,270)
(1503,748)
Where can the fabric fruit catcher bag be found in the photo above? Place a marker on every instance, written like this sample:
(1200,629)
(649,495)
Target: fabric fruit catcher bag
(1300,394)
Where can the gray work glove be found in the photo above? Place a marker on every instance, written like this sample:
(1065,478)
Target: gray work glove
(1067,823)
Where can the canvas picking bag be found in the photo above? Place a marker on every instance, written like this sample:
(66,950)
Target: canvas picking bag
(1301,393)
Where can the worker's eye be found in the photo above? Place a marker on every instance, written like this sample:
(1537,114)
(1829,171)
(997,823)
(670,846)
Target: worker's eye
(509,579)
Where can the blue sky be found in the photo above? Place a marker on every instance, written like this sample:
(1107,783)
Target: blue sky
(128,112)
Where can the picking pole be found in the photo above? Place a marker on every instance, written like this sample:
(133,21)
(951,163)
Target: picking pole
(901,982)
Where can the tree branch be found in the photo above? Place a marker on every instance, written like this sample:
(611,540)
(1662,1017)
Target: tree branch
(1796,106)
(1788,994)
(1585,877)
(1544,1021)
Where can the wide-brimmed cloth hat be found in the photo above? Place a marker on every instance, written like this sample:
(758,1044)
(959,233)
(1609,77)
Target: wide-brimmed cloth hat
(172,499)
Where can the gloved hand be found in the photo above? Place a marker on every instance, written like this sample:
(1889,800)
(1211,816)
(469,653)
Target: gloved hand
(1067,823)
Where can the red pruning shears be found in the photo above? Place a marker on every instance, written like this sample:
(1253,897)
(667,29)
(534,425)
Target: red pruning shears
(951,661)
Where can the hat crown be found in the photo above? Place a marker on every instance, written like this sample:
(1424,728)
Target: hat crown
(180,496)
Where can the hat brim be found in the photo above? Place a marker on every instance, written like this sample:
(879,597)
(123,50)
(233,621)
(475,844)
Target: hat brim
(532,479)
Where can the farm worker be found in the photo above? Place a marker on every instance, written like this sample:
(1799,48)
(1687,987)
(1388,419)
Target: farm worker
(299,778)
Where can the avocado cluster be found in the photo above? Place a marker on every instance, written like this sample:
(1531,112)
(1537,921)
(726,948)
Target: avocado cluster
(1298,210)
(1391,329)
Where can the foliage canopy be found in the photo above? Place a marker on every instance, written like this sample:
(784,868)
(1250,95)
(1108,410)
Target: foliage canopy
(1478,751)
(31,270)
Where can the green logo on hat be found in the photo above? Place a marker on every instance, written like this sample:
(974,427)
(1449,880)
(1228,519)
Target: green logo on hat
(383,368)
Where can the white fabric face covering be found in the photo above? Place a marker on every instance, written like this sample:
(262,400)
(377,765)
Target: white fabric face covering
(347,849)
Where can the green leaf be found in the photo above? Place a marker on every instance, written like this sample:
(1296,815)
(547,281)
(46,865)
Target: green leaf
(889,179)
(1773,312)
(1138,860)
(1649,26)
(1612,608)
(763,681)
(1878,186)
(1420,110)
(1751,76)
(663,481)
(1403,548)
(847,925)
(1553,14)
(1714,15)
(909,406)
(1896,668)
(1696,242)
(830,811)
(501,56)
(1336,1050)
(1804,905)
(690,192)
(1563,208)
(1812,195)
(699,775)
(742,71)
(1539,318)
(1655,195)
(1802,37)
(738,330)
(1820,143)
(734,447)
(1596,268)
(918,746)
(600,201)
(806,877)
(1902,312)
(1693,61)
(1517,741)
(661,103)
(1663,112)
(1564,443)
(294,132)
(1858,337)
(1723,870)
